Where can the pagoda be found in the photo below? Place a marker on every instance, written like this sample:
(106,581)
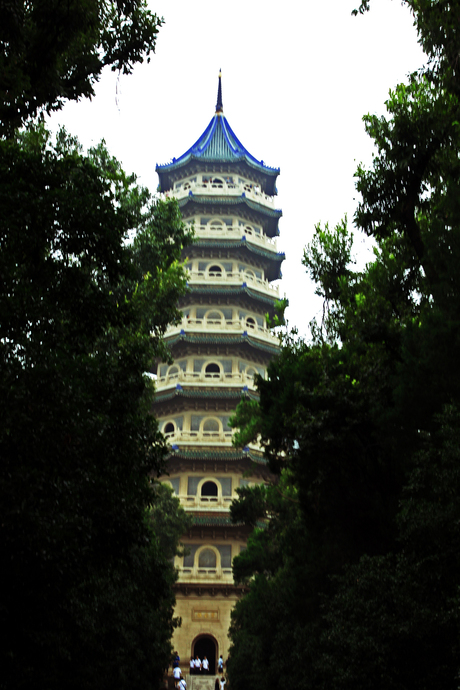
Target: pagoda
(221,343)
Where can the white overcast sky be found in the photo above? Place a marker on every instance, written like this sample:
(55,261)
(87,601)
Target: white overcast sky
(297,77)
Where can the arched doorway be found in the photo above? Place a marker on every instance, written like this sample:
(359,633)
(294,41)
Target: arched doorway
(206,646)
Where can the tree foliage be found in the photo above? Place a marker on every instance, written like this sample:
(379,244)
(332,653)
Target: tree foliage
(88,580)
(90,276)
(52,51)
(362,422)
(393,620)
(270,564)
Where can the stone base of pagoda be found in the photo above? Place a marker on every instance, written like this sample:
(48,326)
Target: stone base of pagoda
(205,611)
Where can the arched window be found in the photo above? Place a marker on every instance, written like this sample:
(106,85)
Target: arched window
(173,370)
(214,316)
(207,559)
(250,322)
(211,425)
(215,271)
(212,370)
(169,428)
(251,372)
(209,489)
(217,182)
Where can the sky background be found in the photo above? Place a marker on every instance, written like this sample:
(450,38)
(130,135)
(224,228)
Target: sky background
(297,77)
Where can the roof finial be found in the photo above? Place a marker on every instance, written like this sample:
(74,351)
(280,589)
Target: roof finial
(219,106)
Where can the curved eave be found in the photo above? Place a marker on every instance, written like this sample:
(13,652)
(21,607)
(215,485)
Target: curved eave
(211,588)
(218,145)
(240,299)
(233,455)
(217,394)
(272,260)
(265,301)
(222,341)
(239,296)
(212,520)
(194,165)
(267,217)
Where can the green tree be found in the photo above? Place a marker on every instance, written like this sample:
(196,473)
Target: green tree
(90,277)
(393,621)
(268,622)
(87,599)
(52,51)
(364,417)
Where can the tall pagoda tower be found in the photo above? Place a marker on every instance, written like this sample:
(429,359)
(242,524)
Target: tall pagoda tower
(222,342)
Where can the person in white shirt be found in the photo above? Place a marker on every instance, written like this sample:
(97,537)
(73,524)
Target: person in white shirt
(182,684)
(205,665)
(222,683)
(197,664)
(177,674)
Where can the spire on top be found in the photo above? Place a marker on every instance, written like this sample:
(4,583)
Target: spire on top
(219,106)
(218,149)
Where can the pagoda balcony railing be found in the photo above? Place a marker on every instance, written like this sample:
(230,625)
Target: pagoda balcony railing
(235,232)
(236,379)
(199,437)
(248,190)
(185,437)
(179,437)
(241,326)
(233,278)
(197,574)
(206,502)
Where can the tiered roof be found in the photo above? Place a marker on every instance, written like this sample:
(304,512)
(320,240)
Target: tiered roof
(212,454)
(176,400)
(184,343)
(218,145)
(243,250)
(257,212)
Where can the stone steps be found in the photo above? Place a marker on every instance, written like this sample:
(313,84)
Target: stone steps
(200,682)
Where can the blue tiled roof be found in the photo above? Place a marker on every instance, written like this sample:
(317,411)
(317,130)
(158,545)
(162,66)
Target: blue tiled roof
(219,143)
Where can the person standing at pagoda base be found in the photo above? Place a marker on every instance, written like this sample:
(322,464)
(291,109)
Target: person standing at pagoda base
(205,665)
(177,675)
